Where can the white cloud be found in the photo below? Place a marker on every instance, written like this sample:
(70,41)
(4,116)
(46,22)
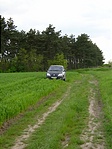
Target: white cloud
(105,45)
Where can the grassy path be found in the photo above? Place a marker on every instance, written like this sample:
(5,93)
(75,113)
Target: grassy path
(93,134)
(61,125)
(28,131)
(75,114)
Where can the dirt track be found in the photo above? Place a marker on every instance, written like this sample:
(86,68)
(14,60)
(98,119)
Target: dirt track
(19,144)
(93,136)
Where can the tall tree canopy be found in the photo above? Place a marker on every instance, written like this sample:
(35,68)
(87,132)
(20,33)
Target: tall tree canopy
(35,50)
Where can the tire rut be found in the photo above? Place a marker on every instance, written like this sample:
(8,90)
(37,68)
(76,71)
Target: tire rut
(19,143)
(93,136)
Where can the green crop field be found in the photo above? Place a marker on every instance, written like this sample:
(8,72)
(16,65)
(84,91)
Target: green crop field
(18,91)
(25,97)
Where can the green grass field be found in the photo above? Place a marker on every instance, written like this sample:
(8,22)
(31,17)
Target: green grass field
(24,97)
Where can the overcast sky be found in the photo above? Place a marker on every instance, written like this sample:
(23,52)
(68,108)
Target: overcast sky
(92,17)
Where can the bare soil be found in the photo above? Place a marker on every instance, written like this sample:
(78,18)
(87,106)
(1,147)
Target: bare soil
(19,142)
(8,123)
(92,135)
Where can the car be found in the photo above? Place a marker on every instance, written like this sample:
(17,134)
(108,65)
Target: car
(57,72)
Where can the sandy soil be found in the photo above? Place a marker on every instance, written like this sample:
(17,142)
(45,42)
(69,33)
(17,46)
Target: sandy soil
(92,135)
(19,143)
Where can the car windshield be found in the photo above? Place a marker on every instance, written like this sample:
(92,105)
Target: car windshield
(55,68)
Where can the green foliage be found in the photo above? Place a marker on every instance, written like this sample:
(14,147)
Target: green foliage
(58,60)
(89,55)
(35,50)
(110,63)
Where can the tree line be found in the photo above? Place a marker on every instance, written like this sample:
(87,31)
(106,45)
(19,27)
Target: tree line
(35,50)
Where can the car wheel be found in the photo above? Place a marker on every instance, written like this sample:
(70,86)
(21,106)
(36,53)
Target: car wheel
(64,79)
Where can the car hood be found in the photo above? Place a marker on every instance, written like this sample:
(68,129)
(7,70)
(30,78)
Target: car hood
(54,71)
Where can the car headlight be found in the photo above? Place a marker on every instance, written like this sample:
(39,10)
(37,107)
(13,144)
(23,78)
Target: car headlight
(48,74)
(60,75)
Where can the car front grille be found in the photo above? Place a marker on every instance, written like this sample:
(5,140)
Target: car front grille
(54,75)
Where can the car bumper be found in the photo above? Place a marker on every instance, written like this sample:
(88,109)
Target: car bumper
(56,77)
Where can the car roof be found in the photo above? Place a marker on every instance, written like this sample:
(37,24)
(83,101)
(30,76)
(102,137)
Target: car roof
(56,65)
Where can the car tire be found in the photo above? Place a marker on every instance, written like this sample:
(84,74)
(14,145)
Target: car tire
(64,79)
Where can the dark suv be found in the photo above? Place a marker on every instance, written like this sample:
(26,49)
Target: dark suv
(56,71)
